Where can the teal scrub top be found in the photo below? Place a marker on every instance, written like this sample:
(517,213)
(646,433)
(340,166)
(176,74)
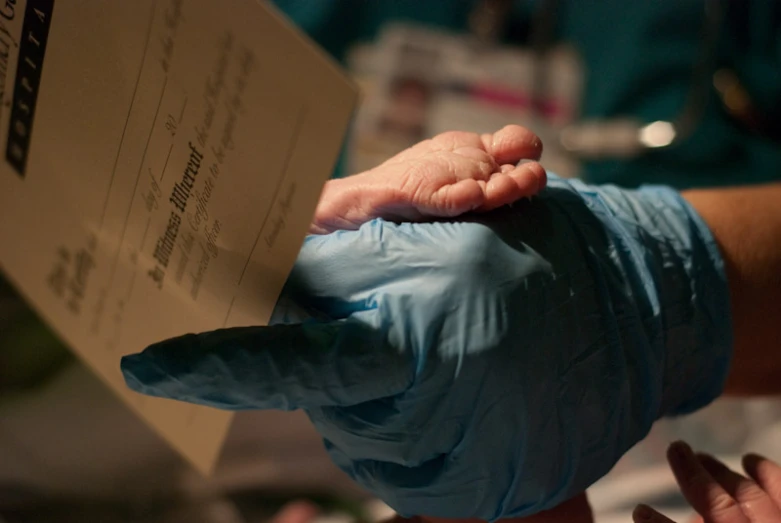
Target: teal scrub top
(639,60)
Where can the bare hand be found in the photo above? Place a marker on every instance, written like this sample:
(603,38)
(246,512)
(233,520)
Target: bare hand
(453,173)
(720,495)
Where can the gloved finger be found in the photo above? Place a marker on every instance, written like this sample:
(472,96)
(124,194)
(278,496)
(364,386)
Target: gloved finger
(278,367)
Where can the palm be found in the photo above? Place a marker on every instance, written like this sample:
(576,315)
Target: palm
(446,176)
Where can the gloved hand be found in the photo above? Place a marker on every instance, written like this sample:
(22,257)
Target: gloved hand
(491,367)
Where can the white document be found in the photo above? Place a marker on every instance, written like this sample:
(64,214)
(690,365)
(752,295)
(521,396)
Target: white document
(160,161)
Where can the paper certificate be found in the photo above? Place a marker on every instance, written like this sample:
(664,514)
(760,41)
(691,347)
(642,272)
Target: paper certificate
(161,161)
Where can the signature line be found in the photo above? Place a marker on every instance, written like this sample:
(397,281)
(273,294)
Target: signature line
(127,119)
(291,148)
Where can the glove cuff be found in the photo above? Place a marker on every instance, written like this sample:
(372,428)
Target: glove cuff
(694,306)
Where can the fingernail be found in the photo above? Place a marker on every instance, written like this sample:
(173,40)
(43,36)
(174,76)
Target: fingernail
(752,456)
(681,456)
(643,513)
(751,461)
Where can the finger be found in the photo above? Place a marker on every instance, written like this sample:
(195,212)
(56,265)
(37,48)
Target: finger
(512,144)
(480,164)
(753,501)
(296,512)
(766,473)
(527,179)
(645,514)
(700,489)
(458,198)
(280,367)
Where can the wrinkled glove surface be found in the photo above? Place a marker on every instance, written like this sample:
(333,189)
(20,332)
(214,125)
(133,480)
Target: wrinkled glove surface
(489,367)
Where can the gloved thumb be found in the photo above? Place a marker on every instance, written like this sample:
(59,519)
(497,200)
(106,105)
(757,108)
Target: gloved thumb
(285,367)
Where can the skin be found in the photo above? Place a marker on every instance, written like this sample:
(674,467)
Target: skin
(449,175)
(746,222)
(718,494)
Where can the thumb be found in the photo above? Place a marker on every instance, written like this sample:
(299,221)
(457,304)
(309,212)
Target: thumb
(283,367)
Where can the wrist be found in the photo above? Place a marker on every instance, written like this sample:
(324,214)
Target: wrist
(747,225)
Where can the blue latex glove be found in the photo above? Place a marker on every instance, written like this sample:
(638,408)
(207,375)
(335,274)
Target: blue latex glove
(490,368)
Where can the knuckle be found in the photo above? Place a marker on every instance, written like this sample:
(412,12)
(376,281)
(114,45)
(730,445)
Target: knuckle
(749,492)
(453,139)
(486,167)
(773,490)
(723,503)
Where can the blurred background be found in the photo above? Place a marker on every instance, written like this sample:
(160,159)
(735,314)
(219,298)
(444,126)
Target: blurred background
(685,92)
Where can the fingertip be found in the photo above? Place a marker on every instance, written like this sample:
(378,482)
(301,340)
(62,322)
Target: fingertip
(530,178)
(752,461)
(535,169)
(644,513)
(149,370)
(679,450)
(128,365)
(511,185)
(683,462)
(142,375)
(501,190)
(513,143)
(755,465)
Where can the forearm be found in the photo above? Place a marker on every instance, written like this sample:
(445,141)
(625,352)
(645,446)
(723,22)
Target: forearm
(746,223)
